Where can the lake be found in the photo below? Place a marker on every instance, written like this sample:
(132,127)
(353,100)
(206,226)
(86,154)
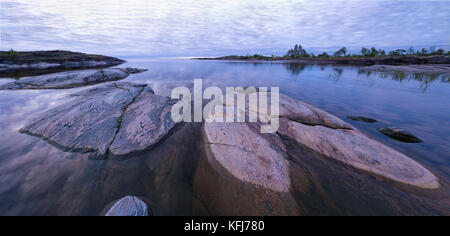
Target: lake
(37,178)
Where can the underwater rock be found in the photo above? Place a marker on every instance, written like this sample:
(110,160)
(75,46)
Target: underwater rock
(399,134)
(71,79)
(128,206)
(429,69)
(362,118)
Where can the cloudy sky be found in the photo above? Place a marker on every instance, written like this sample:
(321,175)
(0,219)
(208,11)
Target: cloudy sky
(218,27)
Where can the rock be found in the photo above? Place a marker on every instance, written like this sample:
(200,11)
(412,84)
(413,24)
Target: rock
(428,68)
(106,117)
(71,79)
(309,115)
(89,122)
(128,206)
(400,135)
(362,118)
(247,155)
(242,167)
(146,121)
(358,150)
(301,112)
(44,62)
(318,131)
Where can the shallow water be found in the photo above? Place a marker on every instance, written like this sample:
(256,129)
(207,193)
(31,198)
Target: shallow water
(37,178)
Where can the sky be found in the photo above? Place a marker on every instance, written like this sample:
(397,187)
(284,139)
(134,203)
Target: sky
(184,28)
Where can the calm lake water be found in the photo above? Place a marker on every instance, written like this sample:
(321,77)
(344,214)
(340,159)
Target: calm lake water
(39,179)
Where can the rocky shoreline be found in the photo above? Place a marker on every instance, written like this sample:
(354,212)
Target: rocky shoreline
(71,79)
(262,174)
(119,119)
(32,63)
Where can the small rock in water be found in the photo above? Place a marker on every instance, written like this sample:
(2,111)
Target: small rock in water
(362,118)
(128,206)
(400,135)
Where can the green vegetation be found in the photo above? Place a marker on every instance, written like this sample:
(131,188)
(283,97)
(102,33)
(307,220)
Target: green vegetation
(13,54)
(299,52)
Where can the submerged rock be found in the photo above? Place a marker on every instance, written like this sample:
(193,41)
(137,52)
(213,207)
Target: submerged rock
(429,69)
(71,79)
(128,206)
(400,135)
(116,118)
(362,118)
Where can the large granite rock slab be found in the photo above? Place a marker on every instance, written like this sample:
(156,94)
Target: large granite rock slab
(322,133)
(242,167)
(116,118)
(71,79)
(146,121)
(248,155)
(358,150)
(272,174)
(309,115)
(128,206)
(87,123)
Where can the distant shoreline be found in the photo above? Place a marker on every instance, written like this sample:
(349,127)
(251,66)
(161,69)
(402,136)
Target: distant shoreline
(358,61)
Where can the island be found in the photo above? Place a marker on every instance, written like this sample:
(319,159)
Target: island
(432,60)
(20,64)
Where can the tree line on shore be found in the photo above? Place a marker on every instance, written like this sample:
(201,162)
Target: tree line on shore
(299,52)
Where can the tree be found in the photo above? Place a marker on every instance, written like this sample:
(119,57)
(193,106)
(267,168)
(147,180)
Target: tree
(323,55)
(297,52)
(13,54)
(373,52)
(341,52)
(440,51)
(397,52)
(411,51)
(365,52)
(423,52)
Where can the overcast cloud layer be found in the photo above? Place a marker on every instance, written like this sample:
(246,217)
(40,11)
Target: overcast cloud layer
(218,27)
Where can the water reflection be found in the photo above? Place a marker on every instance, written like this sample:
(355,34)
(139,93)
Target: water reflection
(424,80)
(36,178)
(295,68)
